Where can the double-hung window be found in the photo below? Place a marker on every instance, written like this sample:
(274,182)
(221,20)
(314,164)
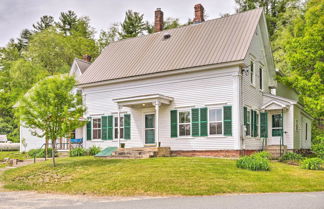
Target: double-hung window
(121,127)
(184,123)
(96,128)
(252,72)
(216,121)
(261,78)
(276,125)
(248,123)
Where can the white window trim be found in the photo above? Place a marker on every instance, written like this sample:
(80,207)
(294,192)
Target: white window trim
(248,114)
(222,120)
(99,139)
(252,62)
(178,118)
(261,77)
(114,127)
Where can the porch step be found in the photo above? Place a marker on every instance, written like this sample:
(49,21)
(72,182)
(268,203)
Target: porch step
(140,153)
(274,150)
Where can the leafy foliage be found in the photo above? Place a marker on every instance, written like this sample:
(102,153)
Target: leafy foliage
(79,151)
(133,25)
(291,156)
(312,163)
(94,150)
(50,109)
(255,162)
(262,154)
(40,153)
(318,147)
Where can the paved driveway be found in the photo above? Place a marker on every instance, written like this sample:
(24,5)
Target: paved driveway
(27,200)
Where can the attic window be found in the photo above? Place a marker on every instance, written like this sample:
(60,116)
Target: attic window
(166,36)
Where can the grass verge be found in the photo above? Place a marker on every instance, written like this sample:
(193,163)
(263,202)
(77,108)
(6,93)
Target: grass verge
(13,155)
(159,176)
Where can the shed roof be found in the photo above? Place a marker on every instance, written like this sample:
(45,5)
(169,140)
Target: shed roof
(221,40)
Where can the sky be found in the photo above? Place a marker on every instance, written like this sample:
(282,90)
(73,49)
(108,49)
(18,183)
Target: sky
(15,15)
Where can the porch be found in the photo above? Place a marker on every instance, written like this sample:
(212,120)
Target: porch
(150,118)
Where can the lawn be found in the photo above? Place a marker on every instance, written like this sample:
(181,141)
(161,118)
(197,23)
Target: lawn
(159,176)
(13,155)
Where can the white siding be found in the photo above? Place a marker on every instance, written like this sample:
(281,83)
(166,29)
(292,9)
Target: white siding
(191,89)
(252,95)
(32,142)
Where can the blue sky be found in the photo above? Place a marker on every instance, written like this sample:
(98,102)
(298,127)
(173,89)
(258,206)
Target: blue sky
(16,15)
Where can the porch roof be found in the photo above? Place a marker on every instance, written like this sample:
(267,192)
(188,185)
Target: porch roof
(144,100)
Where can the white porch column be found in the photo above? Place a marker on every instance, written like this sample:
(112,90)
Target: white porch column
(118,125)
(157,109)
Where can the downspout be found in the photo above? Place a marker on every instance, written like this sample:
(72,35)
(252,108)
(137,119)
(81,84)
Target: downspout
(240,111)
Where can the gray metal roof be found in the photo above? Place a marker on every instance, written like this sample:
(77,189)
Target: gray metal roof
(83,65)
(215,41)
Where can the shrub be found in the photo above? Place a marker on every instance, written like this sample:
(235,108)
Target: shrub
(94,150)
(78,152)
(318,148)
(312,163)
(254,163)
(262,154)
(291,156)
(40,153)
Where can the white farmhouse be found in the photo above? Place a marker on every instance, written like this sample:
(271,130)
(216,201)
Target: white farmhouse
(204,89)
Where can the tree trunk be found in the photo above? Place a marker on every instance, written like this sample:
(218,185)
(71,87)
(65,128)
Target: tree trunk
(53,152)
(46,148)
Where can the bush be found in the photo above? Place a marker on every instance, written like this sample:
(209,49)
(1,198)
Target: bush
(254,163)
(312,163)
(262,154)
(78,152)
(94,150)
(318,148)
(291,156)
(40,153)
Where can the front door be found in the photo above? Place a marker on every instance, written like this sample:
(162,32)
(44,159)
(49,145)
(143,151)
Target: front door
(149,129)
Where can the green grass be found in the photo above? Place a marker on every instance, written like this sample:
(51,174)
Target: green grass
(159,176)
(13,155)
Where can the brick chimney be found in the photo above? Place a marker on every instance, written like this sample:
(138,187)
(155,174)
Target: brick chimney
(86,58)
(199,13)
(158,21)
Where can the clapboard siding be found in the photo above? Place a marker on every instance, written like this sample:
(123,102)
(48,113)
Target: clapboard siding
(196,89)
(252,95)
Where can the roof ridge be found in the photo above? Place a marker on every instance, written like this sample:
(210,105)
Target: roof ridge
(183,26)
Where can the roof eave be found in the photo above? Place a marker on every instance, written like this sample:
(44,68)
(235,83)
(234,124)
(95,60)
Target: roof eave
(239,63)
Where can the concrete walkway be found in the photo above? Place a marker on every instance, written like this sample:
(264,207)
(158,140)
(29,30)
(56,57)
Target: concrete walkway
(33,200)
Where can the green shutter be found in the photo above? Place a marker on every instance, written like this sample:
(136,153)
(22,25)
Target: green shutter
(203,121)
(256,124)
(104,127)
(228,120)
(127,126)
(252,123)
(174,123)
(110,127)
(264,124)
(195,121)
(89,129)
(245,115)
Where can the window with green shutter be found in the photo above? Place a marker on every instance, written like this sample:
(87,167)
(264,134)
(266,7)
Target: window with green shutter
(89,128)
(228,120)
(252,123)
(245,115)
(174,123)
(110,127)
(195,121)
(264,124)
(203,122)
(127,126)
(256,124)
(104,129)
